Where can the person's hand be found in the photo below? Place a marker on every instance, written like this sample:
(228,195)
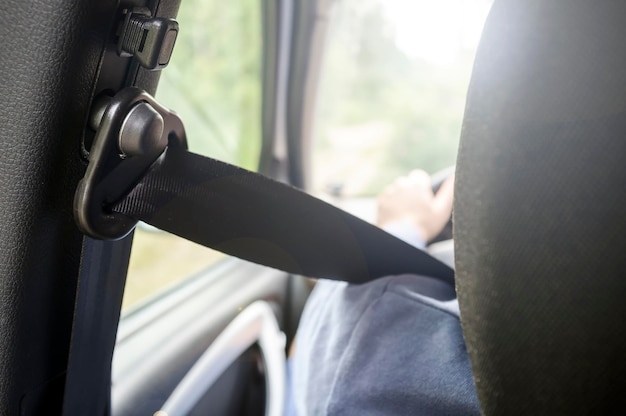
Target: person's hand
(410,199)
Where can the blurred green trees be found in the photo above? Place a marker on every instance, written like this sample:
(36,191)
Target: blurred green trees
(214,78)
(413,107)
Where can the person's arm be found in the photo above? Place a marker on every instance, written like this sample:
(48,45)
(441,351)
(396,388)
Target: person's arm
(409,210)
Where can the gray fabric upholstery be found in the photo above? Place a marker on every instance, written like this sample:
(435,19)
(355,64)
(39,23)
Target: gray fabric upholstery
(392,346)
(540,210)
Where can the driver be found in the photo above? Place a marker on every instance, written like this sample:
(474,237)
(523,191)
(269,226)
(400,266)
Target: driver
(392,346)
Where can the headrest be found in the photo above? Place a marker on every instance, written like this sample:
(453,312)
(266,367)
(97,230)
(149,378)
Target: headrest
(540,209)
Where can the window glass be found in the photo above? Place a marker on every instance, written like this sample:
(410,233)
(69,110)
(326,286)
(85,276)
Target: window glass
(214,83)
(392,90)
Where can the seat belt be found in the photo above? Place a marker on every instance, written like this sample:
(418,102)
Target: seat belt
(140,170)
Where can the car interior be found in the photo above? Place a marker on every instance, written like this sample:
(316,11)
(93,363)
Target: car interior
(537,238)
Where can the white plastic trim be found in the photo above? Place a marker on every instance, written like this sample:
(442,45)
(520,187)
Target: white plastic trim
(256,323)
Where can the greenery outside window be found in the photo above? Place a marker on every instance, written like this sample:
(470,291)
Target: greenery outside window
(392,90)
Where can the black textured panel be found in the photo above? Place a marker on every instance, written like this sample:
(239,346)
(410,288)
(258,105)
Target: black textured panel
(48,61)
(540,210)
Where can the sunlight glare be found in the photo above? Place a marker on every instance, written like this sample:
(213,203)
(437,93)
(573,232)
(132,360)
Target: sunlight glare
(437,30)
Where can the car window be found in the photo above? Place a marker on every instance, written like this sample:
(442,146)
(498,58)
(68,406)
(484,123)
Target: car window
(214,83)
(392,91)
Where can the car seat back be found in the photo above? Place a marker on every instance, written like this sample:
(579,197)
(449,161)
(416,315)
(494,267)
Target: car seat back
(540,210)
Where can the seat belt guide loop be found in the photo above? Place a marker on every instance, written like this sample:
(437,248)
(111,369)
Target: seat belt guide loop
(132,134)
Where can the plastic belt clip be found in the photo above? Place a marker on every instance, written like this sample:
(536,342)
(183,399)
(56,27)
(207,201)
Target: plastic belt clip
(149,39)
(133,131)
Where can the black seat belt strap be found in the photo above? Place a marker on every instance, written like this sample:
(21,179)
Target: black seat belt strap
(235,211)
(252,217)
